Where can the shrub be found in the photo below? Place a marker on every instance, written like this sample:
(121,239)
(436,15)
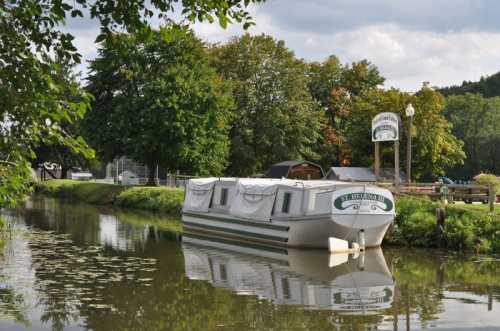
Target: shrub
(465,228)
(95,193)
(417,228)
(164,199)
(487,179)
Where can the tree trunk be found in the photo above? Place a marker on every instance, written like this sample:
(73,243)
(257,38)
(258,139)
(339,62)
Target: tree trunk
(151,175)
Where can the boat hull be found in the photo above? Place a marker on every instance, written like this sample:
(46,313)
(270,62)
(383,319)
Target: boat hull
(307,232)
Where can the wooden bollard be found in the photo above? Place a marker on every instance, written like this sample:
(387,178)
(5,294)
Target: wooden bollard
(492,195)
(490,298)
(440,221)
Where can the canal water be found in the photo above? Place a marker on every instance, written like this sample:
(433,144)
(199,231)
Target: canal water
(79,267)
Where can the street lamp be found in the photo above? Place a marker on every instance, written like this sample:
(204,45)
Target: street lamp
(409,111)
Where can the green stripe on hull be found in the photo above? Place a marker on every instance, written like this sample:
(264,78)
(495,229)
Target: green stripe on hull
(237,232)
(233,243)
(236,221)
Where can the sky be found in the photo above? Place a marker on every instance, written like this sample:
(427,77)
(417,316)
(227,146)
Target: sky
(443,42)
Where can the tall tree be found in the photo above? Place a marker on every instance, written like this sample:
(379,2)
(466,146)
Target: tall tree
(158,101)
(435,148)
(333,86)
(475,120)
(275,119)
(31,36)
(53,150)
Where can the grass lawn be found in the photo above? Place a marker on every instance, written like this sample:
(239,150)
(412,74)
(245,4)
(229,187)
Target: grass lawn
(480,207)
(164,199)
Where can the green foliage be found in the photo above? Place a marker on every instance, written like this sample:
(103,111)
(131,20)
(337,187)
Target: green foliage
(434,146)
(488,179)
(415,223)
(275,118)
(163,199)
(96,193)
(15,181)
(158,102)
(486,86)
(472,230)
(475,121)
(333,85)
(34,105)
(465,228)
(54,151)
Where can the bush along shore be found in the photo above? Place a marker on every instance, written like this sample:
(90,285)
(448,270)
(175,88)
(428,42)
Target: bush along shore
(459,227)
(463,227)
(161,199)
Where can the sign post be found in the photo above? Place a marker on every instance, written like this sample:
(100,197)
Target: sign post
(397,178)
(385,127)
(409,111)
(377,160)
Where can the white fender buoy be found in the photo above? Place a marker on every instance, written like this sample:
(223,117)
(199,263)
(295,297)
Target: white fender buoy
(336,245)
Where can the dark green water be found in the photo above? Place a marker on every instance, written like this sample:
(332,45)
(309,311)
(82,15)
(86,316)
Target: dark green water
(78,267)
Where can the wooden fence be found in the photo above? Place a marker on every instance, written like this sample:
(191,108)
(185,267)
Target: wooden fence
(467,193)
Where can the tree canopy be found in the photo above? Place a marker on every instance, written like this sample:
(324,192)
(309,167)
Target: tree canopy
(158,101)
(475,121)
(31,35)
(333,86)
(54,151)
(486,86)
(275,118)
(435,148)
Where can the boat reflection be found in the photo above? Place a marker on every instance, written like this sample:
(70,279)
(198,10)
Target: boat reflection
(346,284)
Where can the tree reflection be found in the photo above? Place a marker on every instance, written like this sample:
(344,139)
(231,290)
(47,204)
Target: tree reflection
(13,306)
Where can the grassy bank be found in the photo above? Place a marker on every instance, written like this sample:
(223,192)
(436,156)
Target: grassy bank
(162,199)
(467,227)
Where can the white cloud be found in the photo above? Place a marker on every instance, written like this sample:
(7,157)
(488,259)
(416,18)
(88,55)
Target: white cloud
(406,54)
(406,57)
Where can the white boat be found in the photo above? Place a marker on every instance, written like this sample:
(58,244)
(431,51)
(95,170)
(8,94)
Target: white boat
(285,212)
(347,284)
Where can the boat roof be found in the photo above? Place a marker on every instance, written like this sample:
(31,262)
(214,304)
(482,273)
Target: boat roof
(278,181)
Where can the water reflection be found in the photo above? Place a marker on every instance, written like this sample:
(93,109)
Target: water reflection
(79,267)
(360,284)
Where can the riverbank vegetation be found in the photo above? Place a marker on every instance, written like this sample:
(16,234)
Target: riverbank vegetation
(467,227)
(93,193)
(163,199)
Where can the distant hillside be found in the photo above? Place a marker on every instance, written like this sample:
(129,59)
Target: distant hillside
(487,86)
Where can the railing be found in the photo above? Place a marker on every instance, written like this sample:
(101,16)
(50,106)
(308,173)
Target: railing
(467,193)
(171,180)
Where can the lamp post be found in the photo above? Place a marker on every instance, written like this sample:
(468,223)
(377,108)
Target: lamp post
(409,111)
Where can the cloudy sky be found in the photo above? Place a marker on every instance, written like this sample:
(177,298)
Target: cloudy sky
(440,41)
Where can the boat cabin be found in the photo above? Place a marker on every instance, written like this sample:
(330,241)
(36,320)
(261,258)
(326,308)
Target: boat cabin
(258,198)
(295,170)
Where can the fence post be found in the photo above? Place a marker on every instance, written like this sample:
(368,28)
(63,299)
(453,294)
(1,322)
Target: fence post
(440,222)
(491,197)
